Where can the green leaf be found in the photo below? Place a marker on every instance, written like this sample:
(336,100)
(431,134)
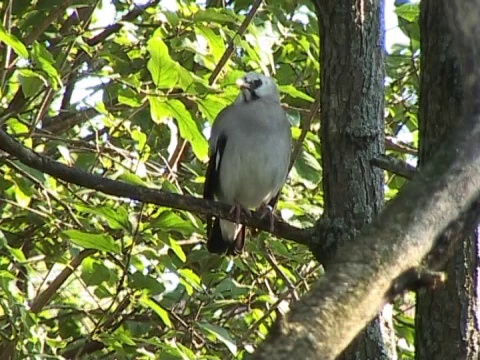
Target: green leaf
(31,81)
(177,249)
(45,61)
(102,242)
(131,178)
(294,92)
(192,278)
(146,283)
(221,334)
(213,15)
(95,272)
(116,219)
(211,105)
(161,66)
(13,42)
(161,312)
(408,11)
(189,130)
(215,42)
(169,221)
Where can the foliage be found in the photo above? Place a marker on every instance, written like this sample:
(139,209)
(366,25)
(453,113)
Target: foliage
(128,92)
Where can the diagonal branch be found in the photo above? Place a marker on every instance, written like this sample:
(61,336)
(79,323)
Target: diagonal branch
(361,274)
(44,297)
(231,46)
(145,194)
(312,113)
(358,284)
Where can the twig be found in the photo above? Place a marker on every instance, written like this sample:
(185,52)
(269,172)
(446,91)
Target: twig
(228,52)
(399,146)
(305,128)
(273,262)
(44,297)
(137,11)
(49,19)
(394,165)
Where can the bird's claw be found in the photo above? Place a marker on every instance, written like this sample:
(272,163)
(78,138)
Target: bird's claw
(237,209)
(266,209)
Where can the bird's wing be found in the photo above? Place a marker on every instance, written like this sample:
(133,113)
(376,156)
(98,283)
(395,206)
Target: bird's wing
(212,180)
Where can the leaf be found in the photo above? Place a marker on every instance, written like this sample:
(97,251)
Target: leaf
(215,42)
(169,221)
(220,334)
(117,219)
(45,61)
(192,278)
(177,249)
(95,272)
(408,11)
(161,66)
(212,15)
(294,92)
(211,105)
(131,178)
(189,130)
(13,42)
(22,197)
(31,82)
(86,240)
(148,284)
(308,167)
(161,312)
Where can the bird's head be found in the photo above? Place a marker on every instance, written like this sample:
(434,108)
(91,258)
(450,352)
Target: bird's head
(254,86)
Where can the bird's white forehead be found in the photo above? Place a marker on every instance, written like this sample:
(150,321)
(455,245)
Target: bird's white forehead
(255,76)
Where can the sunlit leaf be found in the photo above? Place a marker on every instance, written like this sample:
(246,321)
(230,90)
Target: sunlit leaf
(102,242)
(13,42)
(161,66)
(45,61)
(220,334)
(161,312)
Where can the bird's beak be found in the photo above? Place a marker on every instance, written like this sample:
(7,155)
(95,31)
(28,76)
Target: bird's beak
(242,84)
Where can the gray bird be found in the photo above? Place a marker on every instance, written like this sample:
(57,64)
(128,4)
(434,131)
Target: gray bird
(249,150)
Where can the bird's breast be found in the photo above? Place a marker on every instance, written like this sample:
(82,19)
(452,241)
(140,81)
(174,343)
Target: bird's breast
(256,168)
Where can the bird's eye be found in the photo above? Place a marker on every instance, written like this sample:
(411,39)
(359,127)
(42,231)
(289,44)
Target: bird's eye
(256,83)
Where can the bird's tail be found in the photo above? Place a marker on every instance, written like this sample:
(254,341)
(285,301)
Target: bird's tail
(225,237)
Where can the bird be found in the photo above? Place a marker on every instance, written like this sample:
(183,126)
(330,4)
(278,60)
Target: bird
(249,156)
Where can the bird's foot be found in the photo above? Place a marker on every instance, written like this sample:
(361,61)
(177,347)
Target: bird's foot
(266,209)
(237,208)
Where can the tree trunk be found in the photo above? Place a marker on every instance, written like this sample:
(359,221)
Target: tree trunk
(446,318)
(352,133)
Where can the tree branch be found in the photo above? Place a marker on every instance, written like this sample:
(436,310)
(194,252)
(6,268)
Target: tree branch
(358,282)
(145,194)
(231,46)
(44,297)
(395,166)
(361,275)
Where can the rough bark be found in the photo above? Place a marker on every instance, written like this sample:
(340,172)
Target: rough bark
(446,321)
(363,272)
(352,134)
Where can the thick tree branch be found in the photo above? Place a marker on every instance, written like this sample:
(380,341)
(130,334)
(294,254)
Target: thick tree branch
(361,275)
(358,282)
(145,194)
